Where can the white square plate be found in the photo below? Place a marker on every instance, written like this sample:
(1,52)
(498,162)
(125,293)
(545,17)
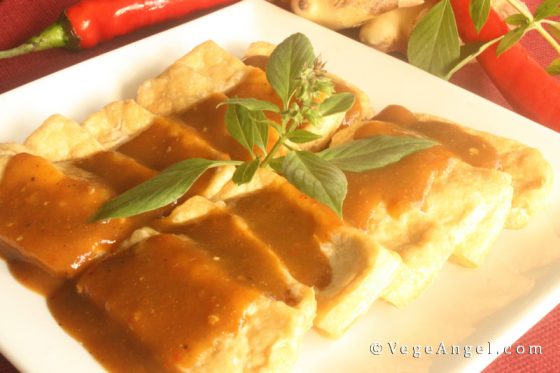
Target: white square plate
(495,304)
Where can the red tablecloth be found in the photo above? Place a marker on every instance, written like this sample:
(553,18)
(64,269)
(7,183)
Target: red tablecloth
(20,19)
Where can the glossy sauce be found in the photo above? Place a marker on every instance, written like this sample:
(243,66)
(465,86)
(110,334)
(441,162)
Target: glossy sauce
(399,186)
(44,215)
(405,184)
(113,346)
(117,170)
(171,295)
(210,122)
(166,142)
(294,226)
(228,241)
(472,149)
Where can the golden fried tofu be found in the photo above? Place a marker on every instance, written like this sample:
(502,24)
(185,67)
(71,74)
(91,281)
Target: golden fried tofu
(191,313)
(531,174)
(347,269)
(46,214)
(424,207)
(228,239)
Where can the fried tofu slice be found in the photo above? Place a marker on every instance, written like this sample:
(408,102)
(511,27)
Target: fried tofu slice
(532,176)
(228,239)
(425,207)
(48,201)
(46,214)
(347,270)
(191,313)
(53,185)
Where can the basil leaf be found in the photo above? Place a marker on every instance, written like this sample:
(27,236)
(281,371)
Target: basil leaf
(163,189)
(286,64)
(468,53)
(554,67)
(548,8)
(276,164)
(316,178)
(245,172)
(373,152)
(251,104)
(302,136)
(239,124)
(516,20)
(337,103)
(510,39)
(434,43)
(479,11)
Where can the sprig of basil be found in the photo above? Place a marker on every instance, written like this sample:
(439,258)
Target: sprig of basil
(319,176)
(286,64)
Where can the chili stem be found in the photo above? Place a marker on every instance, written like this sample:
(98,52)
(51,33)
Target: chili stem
(22,49)
(54,36)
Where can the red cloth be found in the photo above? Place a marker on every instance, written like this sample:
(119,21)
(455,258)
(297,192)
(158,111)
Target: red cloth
(21,19)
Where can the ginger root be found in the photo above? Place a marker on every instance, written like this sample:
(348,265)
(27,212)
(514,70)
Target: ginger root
(340,14)
(389,32)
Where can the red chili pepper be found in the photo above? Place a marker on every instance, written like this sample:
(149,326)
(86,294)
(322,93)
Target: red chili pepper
(89,22)
(523,82)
